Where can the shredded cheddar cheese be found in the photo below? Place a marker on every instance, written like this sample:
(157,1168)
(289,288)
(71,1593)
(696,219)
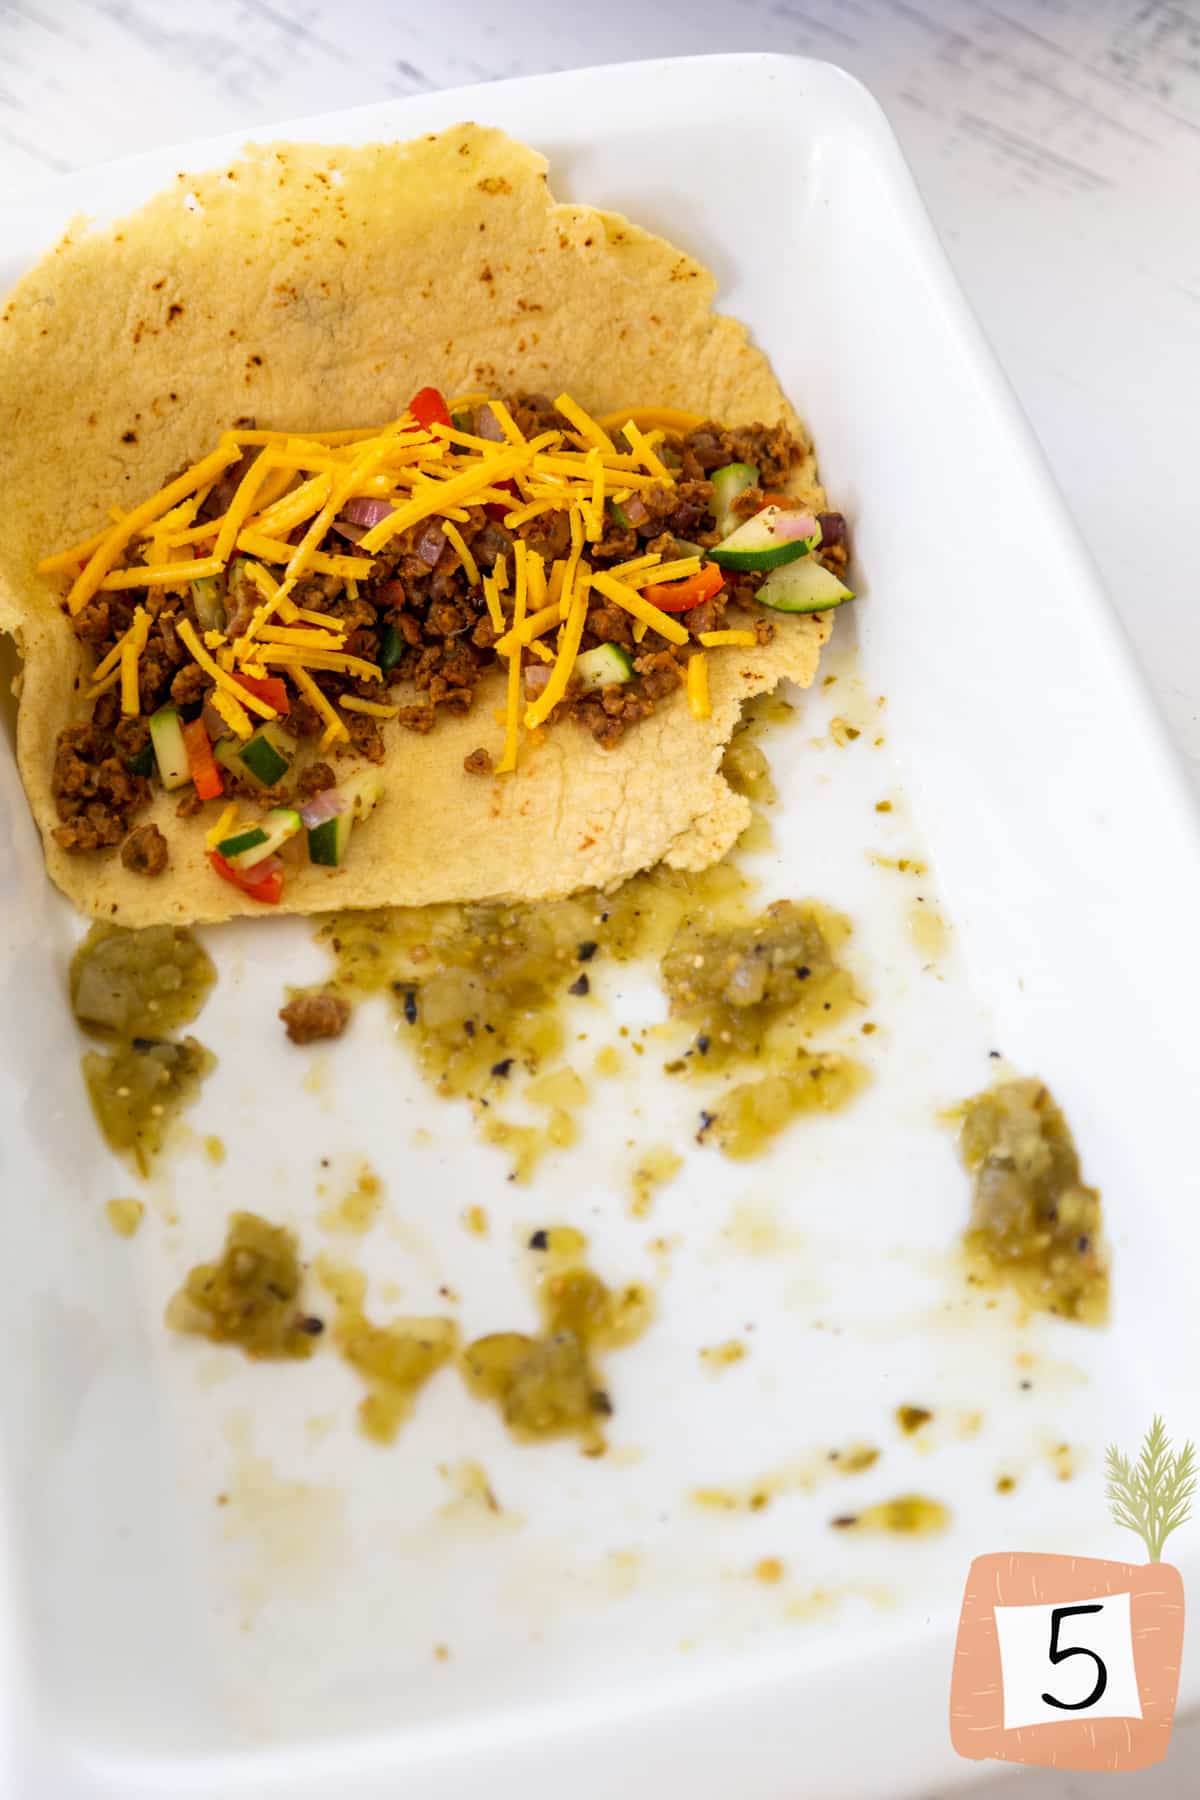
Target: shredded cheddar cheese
(652,418)
(697,686)
(162,574)
(239,506)
(110,681)
(537,579)
(129,680)
(223,827)
(568,650)
(233,712)
(512,707)
(578,537)
(587,427)
(491,599)
(454,538)
(333,661)
(668,571)
(626,570)
(274,550)
(713,639)
(78,553)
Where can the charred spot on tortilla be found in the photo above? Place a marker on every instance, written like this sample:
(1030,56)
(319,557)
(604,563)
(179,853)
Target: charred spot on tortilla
(496,597)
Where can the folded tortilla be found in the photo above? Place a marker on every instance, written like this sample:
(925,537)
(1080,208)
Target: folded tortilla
(311,287)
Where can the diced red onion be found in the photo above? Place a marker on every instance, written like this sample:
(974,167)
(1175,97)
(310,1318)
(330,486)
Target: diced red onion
(487,425)
(214,724)
(833,529)
(347,529)
(537,676)
(635,509)
(430,545)
(789,526)
(322,807)
(367,512)
(261,871)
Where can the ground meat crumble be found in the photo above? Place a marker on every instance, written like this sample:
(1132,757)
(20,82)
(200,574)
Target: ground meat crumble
(145,850)
(310,1017)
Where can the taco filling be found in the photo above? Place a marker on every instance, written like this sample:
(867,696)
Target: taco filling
(254,624)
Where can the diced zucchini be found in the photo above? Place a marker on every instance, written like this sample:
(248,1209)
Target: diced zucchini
(241,840)
(727,484)
(391,649)
(142,761)
(462,421)
(280,824)
(618,513)
(802,587)
(209,602)
(329,841)
(170,753)
(601,667)
(267,755)
(767,541)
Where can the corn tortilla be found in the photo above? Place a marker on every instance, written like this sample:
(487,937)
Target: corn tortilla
(312,287)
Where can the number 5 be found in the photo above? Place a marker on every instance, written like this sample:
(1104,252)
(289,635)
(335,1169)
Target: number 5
(1056,1656)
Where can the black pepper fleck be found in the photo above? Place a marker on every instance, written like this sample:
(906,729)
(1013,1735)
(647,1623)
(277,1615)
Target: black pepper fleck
(580,987)
(502,1068)
(540,1240)
(586,951)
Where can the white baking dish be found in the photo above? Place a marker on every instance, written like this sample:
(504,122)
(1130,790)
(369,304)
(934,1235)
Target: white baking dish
(605,1635)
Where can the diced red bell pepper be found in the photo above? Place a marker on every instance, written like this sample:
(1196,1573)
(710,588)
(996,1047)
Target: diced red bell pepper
(206,776)
(263,882)
(270,688)
(496,509)
(429,408)
(681,596)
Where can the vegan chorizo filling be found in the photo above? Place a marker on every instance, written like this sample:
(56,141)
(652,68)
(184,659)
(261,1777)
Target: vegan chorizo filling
(288,596)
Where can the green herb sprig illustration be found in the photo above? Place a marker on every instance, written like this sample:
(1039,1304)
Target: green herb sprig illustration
(1152,1496)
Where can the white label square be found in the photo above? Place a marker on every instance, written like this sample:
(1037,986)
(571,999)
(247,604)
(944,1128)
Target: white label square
(1080,1652)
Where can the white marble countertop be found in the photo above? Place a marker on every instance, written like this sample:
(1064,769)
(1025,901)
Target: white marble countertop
(1057,143)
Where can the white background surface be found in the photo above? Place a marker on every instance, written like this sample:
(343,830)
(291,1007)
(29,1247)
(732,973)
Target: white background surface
(1057,143)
